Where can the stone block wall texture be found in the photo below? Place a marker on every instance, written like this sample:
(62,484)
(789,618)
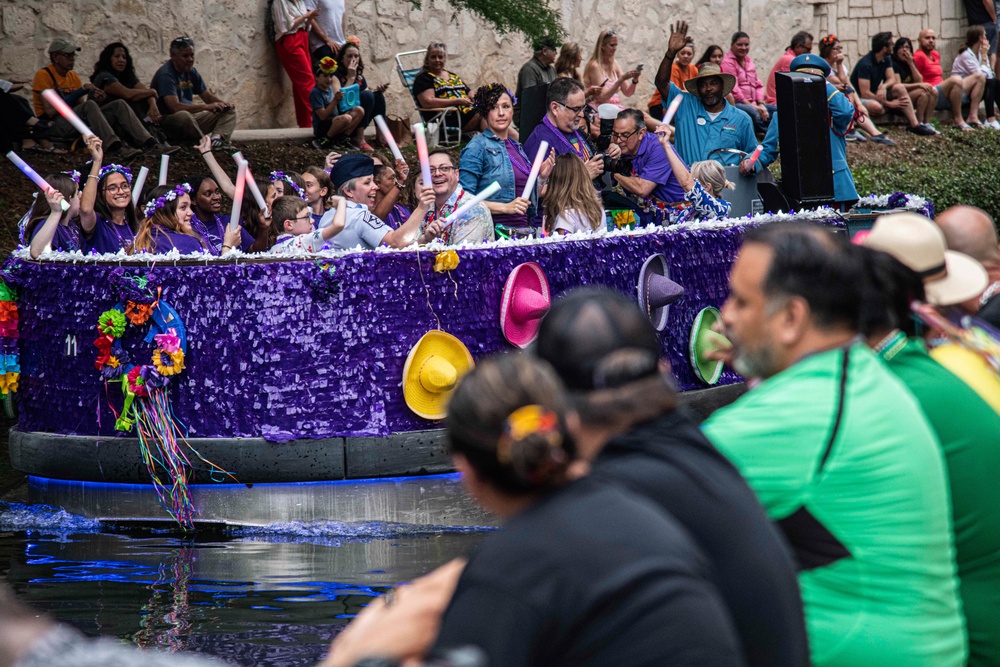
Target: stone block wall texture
(239,62)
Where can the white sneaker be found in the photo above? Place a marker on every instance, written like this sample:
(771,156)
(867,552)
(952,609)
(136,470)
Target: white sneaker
(993,123)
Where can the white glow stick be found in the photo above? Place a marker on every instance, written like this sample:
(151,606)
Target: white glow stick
(756,154)
(33,175)
(672,109)
(387,136)
(241,181)
(251,183)
(425,165)
(460,212)
(535,168)
(60,105)
(164,163)
(140,181)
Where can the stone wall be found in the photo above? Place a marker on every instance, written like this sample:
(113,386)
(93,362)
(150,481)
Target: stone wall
(239,63)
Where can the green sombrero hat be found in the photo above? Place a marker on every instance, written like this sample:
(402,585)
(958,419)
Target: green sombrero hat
(702,340)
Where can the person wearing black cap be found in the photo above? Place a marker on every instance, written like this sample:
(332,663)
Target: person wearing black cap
(606,352)
(353,179)
(538,70)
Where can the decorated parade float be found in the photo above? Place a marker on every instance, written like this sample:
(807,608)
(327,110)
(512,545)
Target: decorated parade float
(260,390)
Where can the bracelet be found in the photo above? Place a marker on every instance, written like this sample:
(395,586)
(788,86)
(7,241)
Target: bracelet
(227,247)
(205,152)
(89,176)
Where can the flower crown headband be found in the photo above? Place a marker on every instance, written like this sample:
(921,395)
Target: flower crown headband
(829,39)
(328,65)
(280,176)
(74,175)
(355,40)
(155,204)
(116,169)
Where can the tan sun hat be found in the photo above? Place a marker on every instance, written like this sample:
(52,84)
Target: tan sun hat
(707,70)
(949,277)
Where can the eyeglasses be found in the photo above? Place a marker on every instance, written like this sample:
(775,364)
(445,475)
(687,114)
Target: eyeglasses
(115,189)
(576,110)
(623,136)
(308,217)
(441,170)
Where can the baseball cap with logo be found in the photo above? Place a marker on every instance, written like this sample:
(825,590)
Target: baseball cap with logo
(63,45)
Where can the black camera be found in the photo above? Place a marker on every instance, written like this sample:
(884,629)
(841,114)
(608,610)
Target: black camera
(617,165)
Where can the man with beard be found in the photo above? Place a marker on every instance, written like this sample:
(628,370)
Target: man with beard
(840,455)
(705,121)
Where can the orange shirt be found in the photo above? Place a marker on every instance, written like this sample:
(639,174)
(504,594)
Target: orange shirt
(678,75)
(42,81)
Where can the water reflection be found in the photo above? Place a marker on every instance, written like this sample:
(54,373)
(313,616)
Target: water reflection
(254,598)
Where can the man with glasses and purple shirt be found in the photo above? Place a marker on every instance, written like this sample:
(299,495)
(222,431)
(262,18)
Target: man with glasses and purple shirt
(561,127)
(176,83)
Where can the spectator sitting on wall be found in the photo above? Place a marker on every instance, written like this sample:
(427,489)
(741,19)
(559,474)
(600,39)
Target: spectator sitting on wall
(879,86)
(114,73)
(748,91)
(975,58)
(176,83)
(115,123)
(436,88)
(350,71)
(707,125)
(802,42)
(832,51)
(952,90)
(537,71)
(984,13)
(331,125)
(922,94)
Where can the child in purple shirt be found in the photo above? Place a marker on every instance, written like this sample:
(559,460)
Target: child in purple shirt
(49,227)
(167,225)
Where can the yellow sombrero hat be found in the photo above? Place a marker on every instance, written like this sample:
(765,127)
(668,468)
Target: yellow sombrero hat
(432,370)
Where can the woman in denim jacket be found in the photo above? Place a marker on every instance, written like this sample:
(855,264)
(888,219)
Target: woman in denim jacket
(495,155)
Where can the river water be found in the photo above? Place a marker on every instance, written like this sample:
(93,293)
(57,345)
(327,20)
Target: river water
(274,595)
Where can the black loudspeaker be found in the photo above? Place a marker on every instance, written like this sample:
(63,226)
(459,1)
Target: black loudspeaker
(533,109)
(804,137)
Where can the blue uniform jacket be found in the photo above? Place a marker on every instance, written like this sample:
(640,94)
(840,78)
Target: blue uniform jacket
(698,135)
(841,113)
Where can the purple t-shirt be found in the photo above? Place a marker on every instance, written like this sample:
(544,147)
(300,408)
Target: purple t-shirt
(67,238)
(397,216)
(107,237)
(214,232)
(165,240)
(520,178)
(651,163)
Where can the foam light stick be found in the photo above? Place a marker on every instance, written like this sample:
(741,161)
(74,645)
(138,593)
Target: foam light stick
(535,168)
(251,183)
(60,105)
(753,156)
(26,169)
(140,181)
(164,163)
(460,212)
(672,109)
(241,181)
(387,136)
(425,165)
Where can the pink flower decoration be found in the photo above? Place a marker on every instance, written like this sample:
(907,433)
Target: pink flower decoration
(168,342)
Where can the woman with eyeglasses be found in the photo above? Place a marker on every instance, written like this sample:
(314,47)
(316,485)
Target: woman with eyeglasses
(107,216)
(495,155)
(831,50)
(437,88)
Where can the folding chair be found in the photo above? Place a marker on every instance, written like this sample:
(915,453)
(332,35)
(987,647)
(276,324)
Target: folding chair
(439,132)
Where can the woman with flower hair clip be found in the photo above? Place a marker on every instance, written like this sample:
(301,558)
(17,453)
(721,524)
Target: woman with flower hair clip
(581,572)
(350,70)
(167,225)
(49,227)
(496,155)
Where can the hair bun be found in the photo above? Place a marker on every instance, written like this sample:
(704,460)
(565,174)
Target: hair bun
(532,445)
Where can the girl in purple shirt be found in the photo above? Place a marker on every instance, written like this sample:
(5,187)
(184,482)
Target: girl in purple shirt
(167,225)
(50,228)
(207,221)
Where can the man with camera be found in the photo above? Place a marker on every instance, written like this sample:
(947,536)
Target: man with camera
(643,171)
(561,127)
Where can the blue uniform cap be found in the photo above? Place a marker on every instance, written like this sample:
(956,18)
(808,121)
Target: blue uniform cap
(352,165)
(810,61)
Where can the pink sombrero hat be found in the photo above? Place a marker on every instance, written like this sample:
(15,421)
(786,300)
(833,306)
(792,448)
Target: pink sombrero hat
(525,301)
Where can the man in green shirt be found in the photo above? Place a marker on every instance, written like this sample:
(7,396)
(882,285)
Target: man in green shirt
(841,457)
(969,432)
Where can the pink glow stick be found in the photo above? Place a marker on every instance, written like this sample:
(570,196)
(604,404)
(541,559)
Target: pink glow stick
(251,183)
(672,109)
(756,154)
(535,168)
(241,181)
(26,169)
(387,136)
(60,105)
(425,165)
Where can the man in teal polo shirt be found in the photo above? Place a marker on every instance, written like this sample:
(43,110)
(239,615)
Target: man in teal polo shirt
(705,121)
(840,455)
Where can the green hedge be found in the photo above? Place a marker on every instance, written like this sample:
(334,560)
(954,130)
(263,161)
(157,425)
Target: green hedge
(954,168)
